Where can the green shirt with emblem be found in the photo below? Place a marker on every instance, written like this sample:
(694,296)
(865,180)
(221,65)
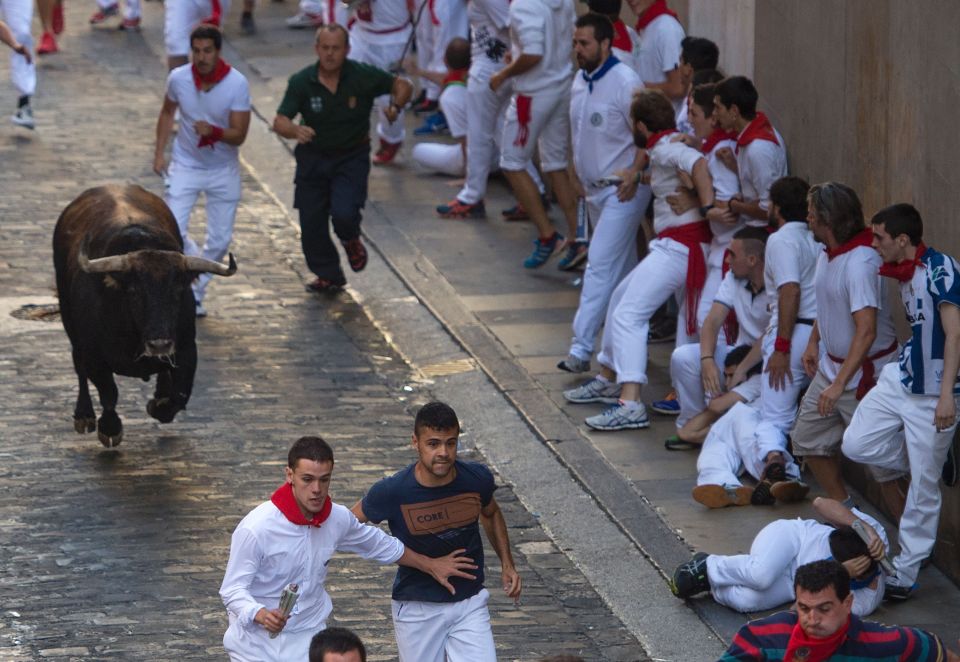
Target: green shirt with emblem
(342,119)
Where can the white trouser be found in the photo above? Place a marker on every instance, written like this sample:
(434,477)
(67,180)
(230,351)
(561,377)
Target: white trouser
(385,55)
(438,631)
(662,273)
(18,15)
(221,187)
(452,17)
(181,17)
(731,448)
(426,40)
(332,11)
(548,130)
(611,256)
(872,438)
(710,287)
(253,644)
(445,158)
(131,11)
(687,378)
(485,111)
(778,409)
(763,578)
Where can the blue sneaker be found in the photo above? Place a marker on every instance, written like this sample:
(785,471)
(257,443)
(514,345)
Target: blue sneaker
(543,250)
(575,255)
(669,406)
(433,124)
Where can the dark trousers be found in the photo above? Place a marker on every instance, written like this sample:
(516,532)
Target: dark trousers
(329,186)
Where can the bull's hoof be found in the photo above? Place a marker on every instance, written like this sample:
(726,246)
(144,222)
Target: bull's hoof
(84,425)
(110,441)
(162,409)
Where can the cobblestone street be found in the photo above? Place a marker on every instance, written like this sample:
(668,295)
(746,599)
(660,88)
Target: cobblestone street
(119,554)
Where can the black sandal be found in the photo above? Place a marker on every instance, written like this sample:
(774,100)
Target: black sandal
(675,443)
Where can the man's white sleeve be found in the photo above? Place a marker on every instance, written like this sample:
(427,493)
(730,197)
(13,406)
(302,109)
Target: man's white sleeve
(781,258)
(767,165)
(529,26)
(370,542)
(245,555)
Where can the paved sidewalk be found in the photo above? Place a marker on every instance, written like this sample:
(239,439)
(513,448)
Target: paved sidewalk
(118,555)
(516,324)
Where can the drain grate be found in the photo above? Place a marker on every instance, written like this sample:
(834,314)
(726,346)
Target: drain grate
(448,368)
(37,312)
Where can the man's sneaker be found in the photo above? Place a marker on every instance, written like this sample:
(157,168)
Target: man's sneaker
(543,251)
(132,24)
(387,153)
(575,255)
(304,20)
(669,406)
(515,213)
(426,106)
(356,253)
(57,18)
(691,578)
(24,117)
(457,209)
(574,364)
(324,285)
(721,496)
(662,330)
(897,592)
(103,14)
(201,311)
(774,472)
(247,26)
(48,44)
(432,124)
(594,391)
(619,417)
(789,491)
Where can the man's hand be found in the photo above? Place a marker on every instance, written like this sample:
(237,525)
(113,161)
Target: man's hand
(25,52)
(628,187)
(202,128)
(728,158)
(451,565)
(683,200)
(272,619)
(828,399)
(857,565)
(160,165)
(738,377)
(720,213)
(496,80)
(946,413)
(512,584)
(778,366)
(811,359)
(686,139)
(875,546)
(711,377)
(305,134)
(392,112)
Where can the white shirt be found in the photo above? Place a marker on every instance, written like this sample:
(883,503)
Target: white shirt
(600,125)
(666,158)
(543,27)
(660,51)
(453,103)
(267,552)
(753,312)
(385,21)
(791,257)
(232,94)
(489,34)
(761,163)
(844,285)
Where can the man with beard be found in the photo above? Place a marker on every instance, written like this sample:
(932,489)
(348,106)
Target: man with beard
(433,506)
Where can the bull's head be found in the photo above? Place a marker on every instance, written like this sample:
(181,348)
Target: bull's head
(152,284)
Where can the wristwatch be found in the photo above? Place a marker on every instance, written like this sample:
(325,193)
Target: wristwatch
(705,209)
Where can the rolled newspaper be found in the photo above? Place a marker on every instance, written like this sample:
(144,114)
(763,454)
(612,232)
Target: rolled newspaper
(865,537)
(287,599)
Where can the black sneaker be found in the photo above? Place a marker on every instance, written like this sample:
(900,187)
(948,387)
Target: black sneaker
(691,578)
(898,592)
(762,496)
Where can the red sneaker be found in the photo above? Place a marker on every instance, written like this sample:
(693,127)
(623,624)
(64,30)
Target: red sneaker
(356,253)
(324,286)
(58,18)
(457,209)
(47,45)
(130,24)
(103,14)
(387,153)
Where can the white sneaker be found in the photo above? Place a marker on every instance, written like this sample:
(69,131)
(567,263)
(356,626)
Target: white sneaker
(619,417)
(201,311)
(594,391)
(302,20)
(24,117)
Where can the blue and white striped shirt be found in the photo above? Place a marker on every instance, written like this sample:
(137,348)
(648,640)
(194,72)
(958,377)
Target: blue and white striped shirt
(935,281)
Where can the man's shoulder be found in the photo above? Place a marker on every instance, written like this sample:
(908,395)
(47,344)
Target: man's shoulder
(258,517)
(474,471)
(352,67)
(236,78)
(305,75)
(624,72)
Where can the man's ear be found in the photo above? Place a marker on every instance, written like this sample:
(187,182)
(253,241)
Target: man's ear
(288,473)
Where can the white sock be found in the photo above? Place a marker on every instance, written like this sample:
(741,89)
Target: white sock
(602,379)
(630,405)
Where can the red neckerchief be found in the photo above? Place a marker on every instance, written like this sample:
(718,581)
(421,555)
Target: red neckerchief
(524,115)
(433,12)
(715,137)
(758,129)
(903,270)
(621,38)
(802,648)
(692,235)
(285,502)
(658,8)
(731,327)
(218,74)
(216,13)
(455,76)
(862,238)
(654,138)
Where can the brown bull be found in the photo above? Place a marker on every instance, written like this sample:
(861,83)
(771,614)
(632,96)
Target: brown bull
(126,302)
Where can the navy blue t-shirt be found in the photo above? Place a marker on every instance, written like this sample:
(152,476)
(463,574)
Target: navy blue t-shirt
(434,521)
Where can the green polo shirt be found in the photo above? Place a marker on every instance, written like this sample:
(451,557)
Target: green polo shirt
(341,120)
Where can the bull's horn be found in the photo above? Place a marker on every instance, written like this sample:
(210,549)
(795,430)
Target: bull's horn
(202,265)
(101,265)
